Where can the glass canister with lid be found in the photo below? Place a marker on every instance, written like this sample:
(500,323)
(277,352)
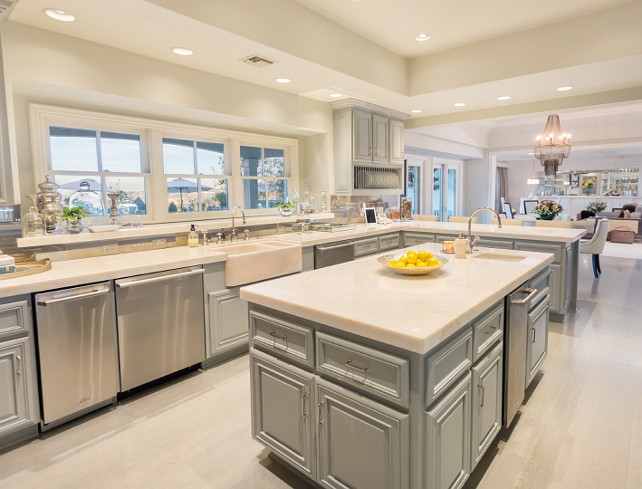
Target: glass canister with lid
(91,202)
(48,202)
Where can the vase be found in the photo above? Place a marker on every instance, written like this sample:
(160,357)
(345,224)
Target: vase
(74,226)
(285,212)
(547,217)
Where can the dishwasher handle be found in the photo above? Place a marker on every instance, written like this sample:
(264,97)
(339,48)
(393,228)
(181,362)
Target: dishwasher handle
(522,302)
(161,278)
(67,298)
(343,244)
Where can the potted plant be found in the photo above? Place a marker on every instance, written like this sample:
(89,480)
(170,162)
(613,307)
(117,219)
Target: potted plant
(547,209)
(596,207)
(285,208)
(588,184)
(73,217)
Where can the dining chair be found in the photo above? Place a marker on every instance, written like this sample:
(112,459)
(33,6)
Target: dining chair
(508,222)
(461,219)
(595,245)
(508,210)
(425,217)
(553,224)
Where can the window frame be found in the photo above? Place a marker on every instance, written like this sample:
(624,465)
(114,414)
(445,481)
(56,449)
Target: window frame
(152,132)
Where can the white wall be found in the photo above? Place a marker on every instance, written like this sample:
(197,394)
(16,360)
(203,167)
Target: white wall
(476,185)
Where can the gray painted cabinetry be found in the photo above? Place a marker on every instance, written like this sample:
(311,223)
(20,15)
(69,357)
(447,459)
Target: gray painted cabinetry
(19,414)
(352,413)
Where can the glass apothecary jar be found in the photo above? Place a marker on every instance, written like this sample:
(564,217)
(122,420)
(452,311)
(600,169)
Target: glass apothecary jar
(90,201)
(33,223)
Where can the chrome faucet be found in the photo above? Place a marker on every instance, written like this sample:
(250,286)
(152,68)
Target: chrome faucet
(233,236)
(471,242)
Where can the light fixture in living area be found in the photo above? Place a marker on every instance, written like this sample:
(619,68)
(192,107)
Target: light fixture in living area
(416,111)
(504,97)
(58,14)
(336,95)
(532,181)
(182,51)
(554,146)
(460,104)
(283,80)
(565,89)
(422,37)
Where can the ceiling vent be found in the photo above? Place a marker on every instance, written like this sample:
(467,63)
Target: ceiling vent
(6,6)
(256,60)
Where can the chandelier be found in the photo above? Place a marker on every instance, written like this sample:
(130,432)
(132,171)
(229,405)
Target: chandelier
(553,146)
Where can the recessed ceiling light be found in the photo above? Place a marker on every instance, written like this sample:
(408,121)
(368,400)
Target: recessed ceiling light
(283,80)
(503,97)
(182,51)
(460,104)
(336,95)
(416,111)
(58,14)
(564,89)
(422,37)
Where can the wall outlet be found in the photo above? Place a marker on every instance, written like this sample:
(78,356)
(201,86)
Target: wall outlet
(111,249)
(159,243)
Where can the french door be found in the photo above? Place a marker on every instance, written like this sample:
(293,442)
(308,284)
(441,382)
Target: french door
(445,189)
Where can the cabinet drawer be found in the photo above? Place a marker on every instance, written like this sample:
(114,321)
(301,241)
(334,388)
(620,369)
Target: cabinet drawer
(542,248)
(539,282)
(390,242)
(495,243)
(366,247)
(381,374)
(487,329)
(412,239)
(14,318)
(282,338)
(446,364)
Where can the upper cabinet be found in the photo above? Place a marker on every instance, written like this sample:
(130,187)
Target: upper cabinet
(368,149)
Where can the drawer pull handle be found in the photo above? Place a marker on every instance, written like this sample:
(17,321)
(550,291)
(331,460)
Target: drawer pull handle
(319,407)
(489,331)
(480,403)
(303,398)
(277,337)
(358,369)
(533,339)
(19,359)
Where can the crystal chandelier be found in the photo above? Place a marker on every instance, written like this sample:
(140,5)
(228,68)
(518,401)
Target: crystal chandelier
(553,146)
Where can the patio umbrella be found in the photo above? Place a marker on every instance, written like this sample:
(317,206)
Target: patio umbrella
(182,185)
(93,185)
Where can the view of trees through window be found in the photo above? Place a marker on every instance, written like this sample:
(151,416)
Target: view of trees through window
(263,171)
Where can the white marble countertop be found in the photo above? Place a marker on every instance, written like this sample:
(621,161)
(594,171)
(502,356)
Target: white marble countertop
(87,270)
(558,235)
(414,313)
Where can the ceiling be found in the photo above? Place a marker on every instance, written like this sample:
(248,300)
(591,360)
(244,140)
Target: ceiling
(366,49)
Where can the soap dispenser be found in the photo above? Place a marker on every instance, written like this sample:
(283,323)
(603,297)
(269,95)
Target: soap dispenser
(460,247)
(192,237)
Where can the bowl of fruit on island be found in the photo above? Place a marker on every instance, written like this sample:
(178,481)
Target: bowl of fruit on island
(420,262)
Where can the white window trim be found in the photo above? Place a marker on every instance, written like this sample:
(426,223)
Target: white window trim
(152,133)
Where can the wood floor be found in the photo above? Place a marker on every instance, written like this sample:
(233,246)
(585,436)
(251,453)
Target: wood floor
(580,428)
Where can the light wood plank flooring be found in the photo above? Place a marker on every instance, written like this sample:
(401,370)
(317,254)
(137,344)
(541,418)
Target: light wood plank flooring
(580,428)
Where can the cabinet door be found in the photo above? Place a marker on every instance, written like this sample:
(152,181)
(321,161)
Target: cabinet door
(486,402)
(361,444)
(556,286)
(342,152)
(412,239)
(13,384)
(362,137)
(282,410)
(380,139)
(537,345)
(447,447)
(228,320)
(366,247)
(396,142)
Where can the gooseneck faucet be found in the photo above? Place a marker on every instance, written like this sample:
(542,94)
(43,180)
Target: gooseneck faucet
(233,236)
(470,241)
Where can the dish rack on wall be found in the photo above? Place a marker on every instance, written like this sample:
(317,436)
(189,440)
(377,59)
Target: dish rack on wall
(372,178)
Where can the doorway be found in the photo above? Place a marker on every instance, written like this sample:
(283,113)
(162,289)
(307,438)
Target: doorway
(445,188)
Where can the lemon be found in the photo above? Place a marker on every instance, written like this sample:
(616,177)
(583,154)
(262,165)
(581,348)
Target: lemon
(432,262)
(421,263)
(394,263)
(411,265)
(422,255)
(403,260)
(412,256)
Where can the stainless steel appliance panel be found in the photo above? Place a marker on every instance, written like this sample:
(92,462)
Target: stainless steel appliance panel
(333,254)
(161,324)
(515,337)
(77,349)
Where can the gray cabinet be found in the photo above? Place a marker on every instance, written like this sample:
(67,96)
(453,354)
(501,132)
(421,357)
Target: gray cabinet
(361,444)
(486,402)
(361,136)
(396,142)
(494,243)
(226,316)
(537,342)
(389,242)
(19,413)
(413,239)
(447,447)
(283,410)
(379,139)
(365,247)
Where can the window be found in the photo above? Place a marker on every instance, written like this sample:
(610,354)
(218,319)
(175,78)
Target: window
(168,170)
(195,176)
(110,162)
(263,171)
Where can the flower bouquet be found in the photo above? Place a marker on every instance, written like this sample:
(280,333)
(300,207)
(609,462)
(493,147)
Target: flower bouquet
(547,209)
(588,184)
(596,206)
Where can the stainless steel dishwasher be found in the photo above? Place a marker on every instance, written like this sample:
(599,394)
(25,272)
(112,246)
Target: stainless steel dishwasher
(516,333)
(161,324)
(333,254)
(76,332)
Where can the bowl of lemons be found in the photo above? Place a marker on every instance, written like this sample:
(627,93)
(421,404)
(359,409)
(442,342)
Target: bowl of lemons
(413,262)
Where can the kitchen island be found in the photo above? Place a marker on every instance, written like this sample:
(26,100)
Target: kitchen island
(365,378)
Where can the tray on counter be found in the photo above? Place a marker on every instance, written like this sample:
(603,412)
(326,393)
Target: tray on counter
(28,268)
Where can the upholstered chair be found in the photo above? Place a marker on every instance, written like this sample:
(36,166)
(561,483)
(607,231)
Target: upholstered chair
(596,244)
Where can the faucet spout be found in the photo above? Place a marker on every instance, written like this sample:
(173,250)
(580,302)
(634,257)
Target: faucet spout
(470,240)
(233,237)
